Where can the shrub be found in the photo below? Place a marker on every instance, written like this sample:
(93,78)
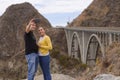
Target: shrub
(66,61)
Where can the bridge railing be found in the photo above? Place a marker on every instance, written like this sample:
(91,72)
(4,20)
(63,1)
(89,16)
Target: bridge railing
(95,29)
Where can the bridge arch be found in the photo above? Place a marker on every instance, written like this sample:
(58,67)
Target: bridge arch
(94,53)
(75,44)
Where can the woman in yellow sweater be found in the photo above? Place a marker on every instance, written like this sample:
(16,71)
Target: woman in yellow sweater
(45,45)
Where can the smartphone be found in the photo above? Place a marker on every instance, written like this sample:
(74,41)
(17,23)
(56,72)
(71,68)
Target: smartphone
(36,20)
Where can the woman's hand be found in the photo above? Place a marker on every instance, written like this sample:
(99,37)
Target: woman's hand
(39,45)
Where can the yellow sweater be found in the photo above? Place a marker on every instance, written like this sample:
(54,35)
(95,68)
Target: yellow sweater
(45,45)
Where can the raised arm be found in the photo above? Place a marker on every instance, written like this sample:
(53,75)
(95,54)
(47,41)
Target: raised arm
(28,26)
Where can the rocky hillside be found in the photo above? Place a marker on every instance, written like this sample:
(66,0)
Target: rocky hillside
(101,13)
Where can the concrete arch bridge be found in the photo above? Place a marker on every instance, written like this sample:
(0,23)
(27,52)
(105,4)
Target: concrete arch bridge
(86,43)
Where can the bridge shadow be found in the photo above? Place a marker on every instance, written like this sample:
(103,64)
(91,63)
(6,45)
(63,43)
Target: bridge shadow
(94,51)
(75,47)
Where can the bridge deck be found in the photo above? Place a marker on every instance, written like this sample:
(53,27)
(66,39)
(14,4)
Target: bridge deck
(96,29)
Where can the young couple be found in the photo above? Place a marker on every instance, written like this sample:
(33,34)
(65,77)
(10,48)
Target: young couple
(37,52)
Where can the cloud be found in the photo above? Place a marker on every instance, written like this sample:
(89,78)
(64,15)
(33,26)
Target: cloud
(63,6)
(50,6)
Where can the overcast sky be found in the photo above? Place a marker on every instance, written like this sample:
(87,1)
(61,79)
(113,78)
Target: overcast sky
(58,12)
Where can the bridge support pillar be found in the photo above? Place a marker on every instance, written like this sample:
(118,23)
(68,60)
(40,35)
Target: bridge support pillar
(110,38)
(85,38)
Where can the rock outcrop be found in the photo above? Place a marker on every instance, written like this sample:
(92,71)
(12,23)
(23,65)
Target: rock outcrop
(106,77)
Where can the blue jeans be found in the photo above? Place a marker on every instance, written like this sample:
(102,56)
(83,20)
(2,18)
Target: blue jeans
(32,60)
(44,62)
